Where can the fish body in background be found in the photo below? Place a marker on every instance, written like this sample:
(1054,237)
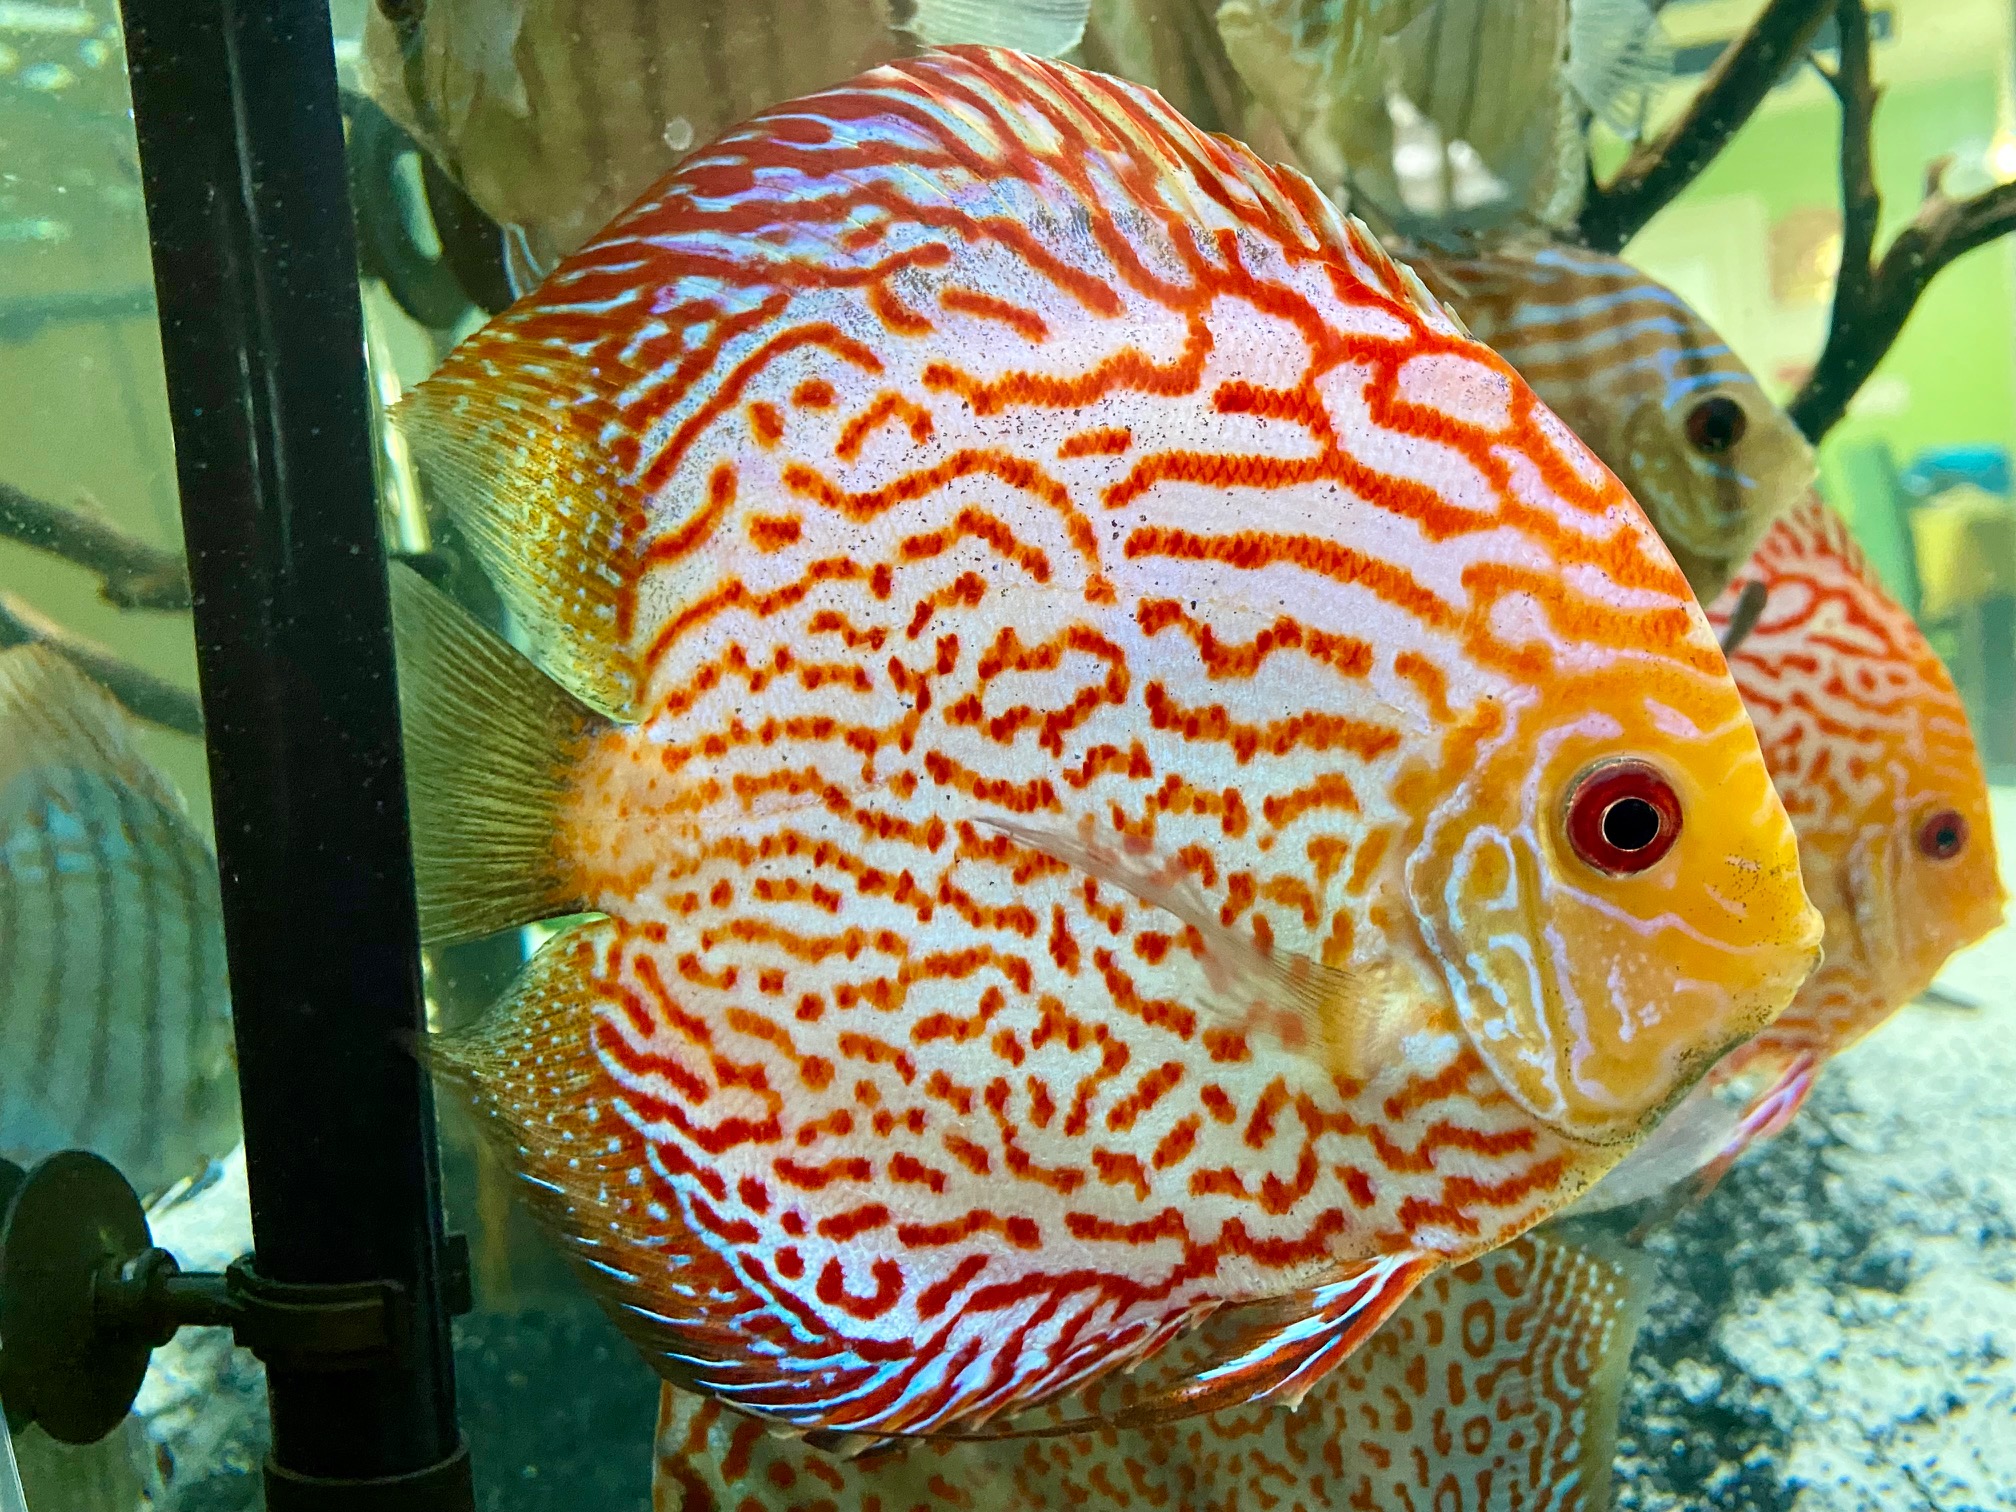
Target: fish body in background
(115,1028)
(1495,1386)
(1869,745)
(1092,713)
(1647,383)
(553,115)
(1491,94)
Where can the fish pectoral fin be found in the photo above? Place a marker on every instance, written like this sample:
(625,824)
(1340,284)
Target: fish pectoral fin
(56,716)
(490,740)
(1309,1008)
(1273,1352)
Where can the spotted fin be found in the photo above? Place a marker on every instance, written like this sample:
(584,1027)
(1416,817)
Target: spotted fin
(515,452)
(1307,1007)
(489,743)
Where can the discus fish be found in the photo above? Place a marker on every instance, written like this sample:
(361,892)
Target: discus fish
(1492,96)
(115,1027)
(1496,1385)
(1129,766)
(1648,384)
(1869,746)
(553,115)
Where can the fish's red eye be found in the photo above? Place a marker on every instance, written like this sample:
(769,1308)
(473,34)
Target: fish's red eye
(1943,836)
(1716,424)
(1622,817)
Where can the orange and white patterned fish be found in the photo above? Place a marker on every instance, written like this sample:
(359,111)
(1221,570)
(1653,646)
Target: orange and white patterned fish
(1652,388)
(1869,746)
(1131,770)
(1496,1386)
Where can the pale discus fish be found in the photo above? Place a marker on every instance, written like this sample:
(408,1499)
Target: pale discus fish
(1132,767)
(115,1013)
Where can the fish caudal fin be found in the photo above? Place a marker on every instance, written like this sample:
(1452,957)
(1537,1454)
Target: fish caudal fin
(515,454)
(490,740)
(1304,1005)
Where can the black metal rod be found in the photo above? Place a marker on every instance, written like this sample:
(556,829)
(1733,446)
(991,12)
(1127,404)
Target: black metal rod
(241,148)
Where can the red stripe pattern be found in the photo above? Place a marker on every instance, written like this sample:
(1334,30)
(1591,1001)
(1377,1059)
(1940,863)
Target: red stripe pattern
(979,441)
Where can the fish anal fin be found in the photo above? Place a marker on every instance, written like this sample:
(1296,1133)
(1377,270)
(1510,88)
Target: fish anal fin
(55,715)
(490,743)
(515,453)
(1277,1351)
(1338,1015)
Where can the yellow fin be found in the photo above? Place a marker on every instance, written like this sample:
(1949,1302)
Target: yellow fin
(1300,1002)
(53,715)
(489,743)
(513,452)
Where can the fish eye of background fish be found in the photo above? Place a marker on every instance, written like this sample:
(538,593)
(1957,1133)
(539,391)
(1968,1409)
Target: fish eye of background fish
(1048,583)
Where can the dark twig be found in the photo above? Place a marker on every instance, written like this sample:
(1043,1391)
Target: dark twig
(141,693)
(1872,303)
(1658,170)
(1743,618)
(133,574)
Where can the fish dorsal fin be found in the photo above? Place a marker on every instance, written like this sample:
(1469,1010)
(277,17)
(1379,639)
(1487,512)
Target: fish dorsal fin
(490,741)
(515,449)
(1337,1015)
(51,714)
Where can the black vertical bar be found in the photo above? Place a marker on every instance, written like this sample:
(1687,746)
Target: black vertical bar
(241,147)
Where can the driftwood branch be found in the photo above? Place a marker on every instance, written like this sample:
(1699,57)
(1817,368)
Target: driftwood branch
(132,574)
(1659,169)
(140,692)
(1872,301)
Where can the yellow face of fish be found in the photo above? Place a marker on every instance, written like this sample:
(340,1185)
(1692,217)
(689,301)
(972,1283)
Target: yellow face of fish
(1622,898)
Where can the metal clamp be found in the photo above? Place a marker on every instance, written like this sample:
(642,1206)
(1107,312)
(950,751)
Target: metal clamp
(86,1297)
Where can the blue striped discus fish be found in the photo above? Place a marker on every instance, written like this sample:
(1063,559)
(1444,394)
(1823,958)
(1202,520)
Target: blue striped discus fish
(115,1027)
(1648,384)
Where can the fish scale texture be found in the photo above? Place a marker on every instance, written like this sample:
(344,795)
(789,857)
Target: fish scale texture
(980,440)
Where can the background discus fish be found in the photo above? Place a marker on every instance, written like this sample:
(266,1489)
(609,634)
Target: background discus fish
(1647,383)
(553,115)
(1868,743)
(115,1027)
(1495,1386)
(1130,767)
(1495,94)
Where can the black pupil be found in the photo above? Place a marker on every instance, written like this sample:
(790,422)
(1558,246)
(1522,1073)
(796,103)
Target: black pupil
(1716,424)
(1630,824)
(1946,838)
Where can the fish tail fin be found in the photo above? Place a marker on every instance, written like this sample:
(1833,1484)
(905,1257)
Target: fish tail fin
(1617,55)
(490,743)
(514,452)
